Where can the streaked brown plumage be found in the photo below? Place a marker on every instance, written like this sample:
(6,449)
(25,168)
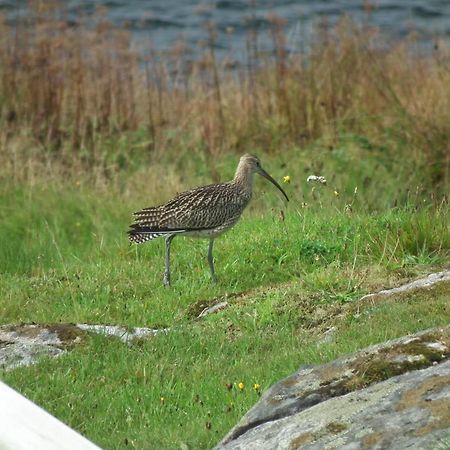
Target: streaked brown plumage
(205,211)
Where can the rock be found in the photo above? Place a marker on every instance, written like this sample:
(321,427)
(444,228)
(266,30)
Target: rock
(22,345)
(124,334)
(213,309)
(327,336)
(428,281)
(389,396)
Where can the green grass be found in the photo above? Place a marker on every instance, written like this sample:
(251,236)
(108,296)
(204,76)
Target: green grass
(113,393)
(64,257)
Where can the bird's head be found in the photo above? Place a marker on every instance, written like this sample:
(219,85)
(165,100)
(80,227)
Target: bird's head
(252,164)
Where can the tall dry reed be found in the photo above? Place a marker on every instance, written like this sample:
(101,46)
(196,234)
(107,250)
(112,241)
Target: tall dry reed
(68,89)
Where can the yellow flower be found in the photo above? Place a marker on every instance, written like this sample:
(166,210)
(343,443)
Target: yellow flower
(241,386)
(287,179)
(162,399)
(256,386)
(336,193)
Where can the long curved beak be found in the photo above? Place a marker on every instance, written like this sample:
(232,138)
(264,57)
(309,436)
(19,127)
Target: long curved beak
(263,173)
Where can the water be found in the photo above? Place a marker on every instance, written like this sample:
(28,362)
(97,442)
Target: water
(164,22)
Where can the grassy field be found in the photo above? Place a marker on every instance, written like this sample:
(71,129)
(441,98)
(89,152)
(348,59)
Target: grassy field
(64,253)
(65,258)
(90,132)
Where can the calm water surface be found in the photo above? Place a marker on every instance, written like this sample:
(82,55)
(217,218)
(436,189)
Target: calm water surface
(164,22)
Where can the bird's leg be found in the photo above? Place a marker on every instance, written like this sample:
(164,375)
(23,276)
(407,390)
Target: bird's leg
(211,260)
(166,280)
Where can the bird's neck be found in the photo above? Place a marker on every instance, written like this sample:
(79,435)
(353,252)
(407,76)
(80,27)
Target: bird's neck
(244,178)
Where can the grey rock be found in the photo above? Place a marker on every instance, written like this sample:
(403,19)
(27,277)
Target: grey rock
(22,345)
(409,411)
(393,395)
(421,283)
(213,309)
(124,334)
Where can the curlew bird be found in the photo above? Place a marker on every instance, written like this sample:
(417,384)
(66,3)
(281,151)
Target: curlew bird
(205,211)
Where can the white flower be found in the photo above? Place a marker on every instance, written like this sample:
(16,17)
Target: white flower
(316,179)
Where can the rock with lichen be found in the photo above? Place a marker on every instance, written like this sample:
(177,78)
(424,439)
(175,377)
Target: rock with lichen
(388,396)
(26,344)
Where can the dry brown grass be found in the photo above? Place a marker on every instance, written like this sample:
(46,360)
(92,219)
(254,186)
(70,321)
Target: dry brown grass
(72,94)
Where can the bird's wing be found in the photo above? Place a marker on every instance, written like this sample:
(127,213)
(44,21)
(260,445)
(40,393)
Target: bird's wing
(205,207)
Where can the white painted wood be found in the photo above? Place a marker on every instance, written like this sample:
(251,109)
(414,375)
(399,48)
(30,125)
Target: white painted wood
(26,426)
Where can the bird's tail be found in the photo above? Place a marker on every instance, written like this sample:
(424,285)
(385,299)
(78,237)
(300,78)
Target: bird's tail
(138,234)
